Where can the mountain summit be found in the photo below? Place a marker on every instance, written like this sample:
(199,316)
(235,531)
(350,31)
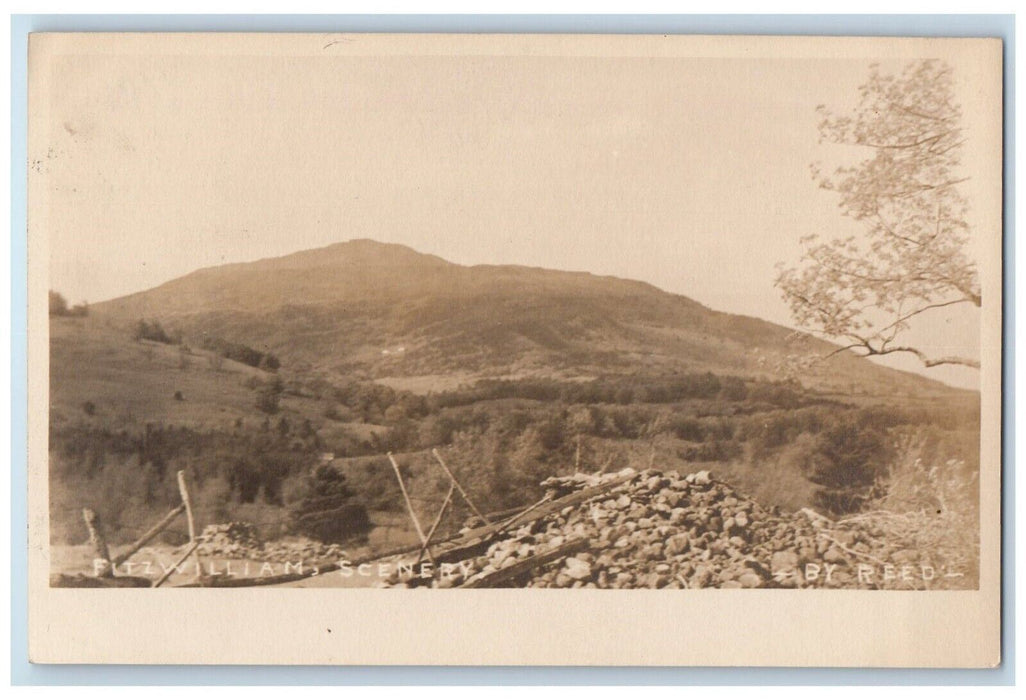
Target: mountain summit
(377,309)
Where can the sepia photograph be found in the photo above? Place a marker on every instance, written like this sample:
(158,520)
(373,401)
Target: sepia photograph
(503,312)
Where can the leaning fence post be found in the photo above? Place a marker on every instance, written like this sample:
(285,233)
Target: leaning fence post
(149,535)
(406,497)
(463,493)
(174,567)
(434,525)
(100,550)
(188,518)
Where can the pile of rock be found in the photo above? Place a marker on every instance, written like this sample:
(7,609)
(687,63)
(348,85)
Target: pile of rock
(235,540)
(240,540)
(666,530)
(293,549)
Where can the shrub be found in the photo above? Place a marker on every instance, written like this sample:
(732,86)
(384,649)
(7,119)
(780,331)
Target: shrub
(849,460)
(327,511)
(151,330)
(269,395)
(59,306)
(931,507)
(242,353)
(267,400)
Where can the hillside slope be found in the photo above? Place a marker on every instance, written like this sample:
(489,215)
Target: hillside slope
(382,310)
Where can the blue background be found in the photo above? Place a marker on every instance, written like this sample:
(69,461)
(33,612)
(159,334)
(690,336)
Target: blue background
(23,673)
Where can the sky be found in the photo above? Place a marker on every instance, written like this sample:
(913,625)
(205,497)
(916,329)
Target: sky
(688,173)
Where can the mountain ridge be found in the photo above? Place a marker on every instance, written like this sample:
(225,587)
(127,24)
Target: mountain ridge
(373,309)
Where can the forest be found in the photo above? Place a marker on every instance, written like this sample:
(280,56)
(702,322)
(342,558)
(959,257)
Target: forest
(787,446)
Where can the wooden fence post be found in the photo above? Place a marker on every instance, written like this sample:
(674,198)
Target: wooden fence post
(174,567)
(96,538)
(434,525)
(463,493)
(149,535)
(189,519)
(406,497)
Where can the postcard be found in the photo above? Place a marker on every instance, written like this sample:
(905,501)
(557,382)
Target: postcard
(515,350)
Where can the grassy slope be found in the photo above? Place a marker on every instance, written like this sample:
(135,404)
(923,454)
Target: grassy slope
(134,382)
(350,307)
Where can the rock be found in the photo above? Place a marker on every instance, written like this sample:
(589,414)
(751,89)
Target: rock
(905,556)
(678,544)
(656,580)
(577,569)
(842,578)
(834,556)
(657,530)
(784,561)
(757,568)
(652,552)
(749,580)
(845,537)
(702,577)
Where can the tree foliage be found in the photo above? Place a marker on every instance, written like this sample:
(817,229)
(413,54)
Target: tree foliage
(240,352)
(58,304)
(865,291)
(327,511)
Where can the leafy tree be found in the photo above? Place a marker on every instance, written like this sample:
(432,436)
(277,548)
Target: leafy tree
(849,459)
(865,292)
(327,511)
(58,304)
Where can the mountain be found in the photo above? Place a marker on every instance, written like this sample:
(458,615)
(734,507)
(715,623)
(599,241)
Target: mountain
(375,310)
